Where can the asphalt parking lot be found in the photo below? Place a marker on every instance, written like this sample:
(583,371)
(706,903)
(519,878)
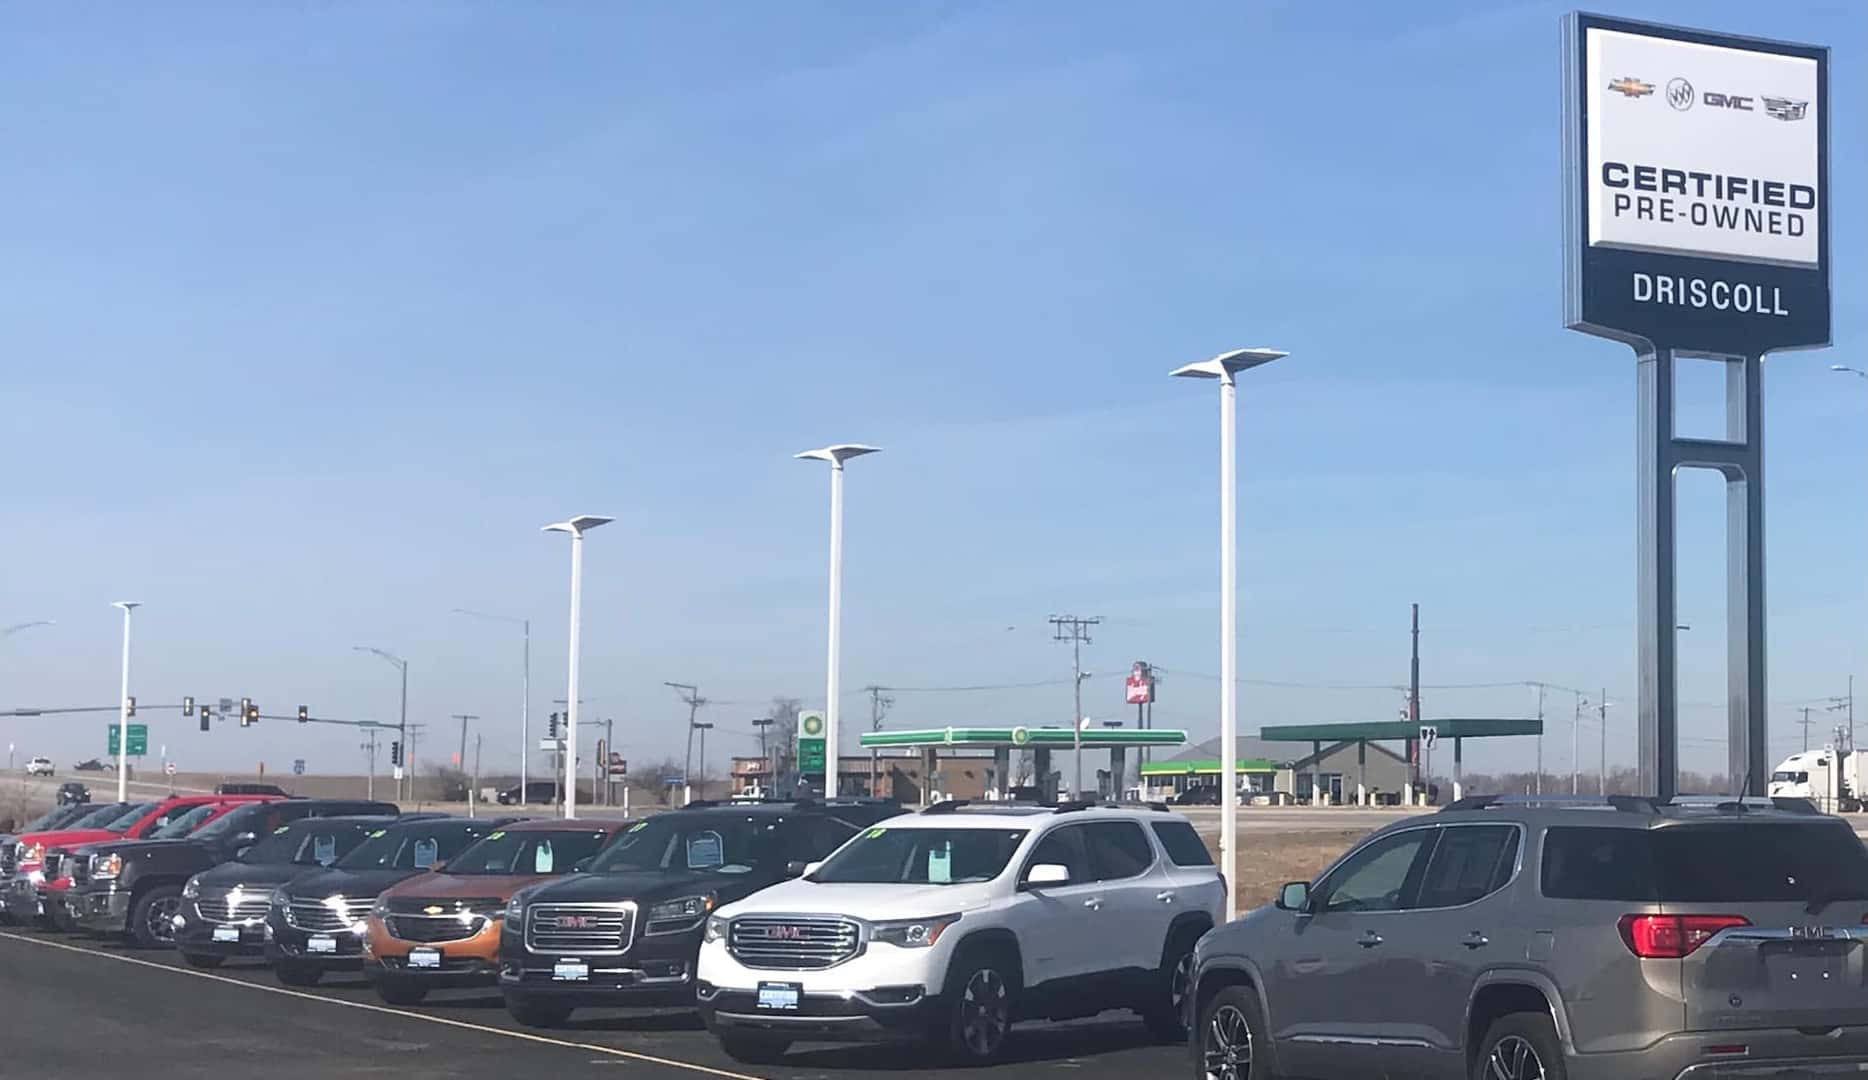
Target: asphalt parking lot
(93,1009)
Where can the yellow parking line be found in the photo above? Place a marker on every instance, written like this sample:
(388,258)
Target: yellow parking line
(442,1020)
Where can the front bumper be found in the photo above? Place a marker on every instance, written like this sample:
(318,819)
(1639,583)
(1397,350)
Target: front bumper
(882,994)
(655,970)
(468,961)
(1769,1054)
(289,944)
(25,900)
(196,935)
(98,909)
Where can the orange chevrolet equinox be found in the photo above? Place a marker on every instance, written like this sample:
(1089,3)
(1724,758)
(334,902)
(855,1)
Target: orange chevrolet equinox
(441,929)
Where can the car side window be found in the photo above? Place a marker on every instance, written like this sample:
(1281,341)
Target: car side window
(1382,876)
(1466,864)
(1064,847)
(1118,849)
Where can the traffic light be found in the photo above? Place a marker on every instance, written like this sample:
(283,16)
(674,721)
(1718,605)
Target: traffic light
(249,712)
(304,714)
(395,752)
(188,706)
(129,705)
(554,725)
(204,718)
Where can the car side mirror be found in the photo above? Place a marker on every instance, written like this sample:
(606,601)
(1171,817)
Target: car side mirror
(437,867)
(1045,874)
(1295,896)
(796,868)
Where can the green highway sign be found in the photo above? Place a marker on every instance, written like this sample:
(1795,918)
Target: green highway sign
(139,739)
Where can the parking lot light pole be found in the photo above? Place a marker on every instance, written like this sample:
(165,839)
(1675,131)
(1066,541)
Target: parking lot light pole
(525,688)
(123,706)
(1225,367)
(402,724)
(836,455)
(577,527)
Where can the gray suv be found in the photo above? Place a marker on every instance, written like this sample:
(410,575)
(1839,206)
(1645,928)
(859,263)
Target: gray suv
(1515,939)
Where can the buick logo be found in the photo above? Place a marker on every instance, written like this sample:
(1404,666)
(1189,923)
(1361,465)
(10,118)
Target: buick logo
(1680,94)
(784,933)
(576,922)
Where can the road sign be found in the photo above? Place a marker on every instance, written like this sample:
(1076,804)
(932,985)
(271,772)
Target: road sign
(551,745)
(298,766)
(675,781)
(618,766)
(397,773)
(1429,735)
(139,740)
(169,767)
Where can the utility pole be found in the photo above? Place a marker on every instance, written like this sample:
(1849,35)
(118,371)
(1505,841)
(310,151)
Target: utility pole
(1806,726)
(764,724)
(1539,783)
(609,749)
(408,750)
(1841,705)
(703,726)
(474,790)
(1413,697)
(1076,631)
(878,708)
(1576,727)
(1602,715)
(463,718)
(691,695)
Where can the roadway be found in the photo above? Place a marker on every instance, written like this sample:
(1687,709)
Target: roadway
(86,1009)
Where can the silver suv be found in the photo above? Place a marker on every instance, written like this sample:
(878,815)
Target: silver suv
(1515,939)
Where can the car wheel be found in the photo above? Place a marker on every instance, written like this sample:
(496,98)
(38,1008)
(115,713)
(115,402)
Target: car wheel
(396,991)
(1166,1012)
(295,974)
(538,1014)
(1520,1046)
(1230,1042)
(58,918)
(204,961)
(754,1049)
(979,1009)
(152,916)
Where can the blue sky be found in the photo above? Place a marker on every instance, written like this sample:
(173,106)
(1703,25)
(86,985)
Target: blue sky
(315,313)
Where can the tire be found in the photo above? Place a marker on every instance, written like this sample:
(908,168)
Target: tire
(754,1049)
(58,918)
(1230,1042)
(980,1004)
(395,991)
(150,915)
(295,974)
(1525,1047)
(1165,1012)
(537,1014)
(204,961)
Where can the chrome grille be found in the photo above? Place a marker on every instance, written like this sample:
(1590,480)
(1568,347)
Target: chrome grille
(580,928)
(338,914)
(793,943)
(9,858)
(51,864)
(224,908)
(80,868)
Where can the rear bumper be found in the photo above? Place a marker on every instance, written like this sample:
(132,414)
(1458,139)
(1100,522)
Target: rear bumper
(1768,1054)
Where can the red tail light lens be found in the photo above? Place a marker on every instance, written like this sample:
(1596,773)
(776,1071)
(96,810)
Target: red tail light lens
(1671,937)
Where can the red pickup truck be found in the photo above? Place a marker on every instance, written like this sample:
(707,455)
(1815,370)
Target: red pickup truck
(33,866)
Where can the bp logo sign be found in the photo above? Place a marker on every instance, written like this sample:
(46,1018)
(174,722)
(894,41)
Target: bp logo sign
(1020,736)
(811,725)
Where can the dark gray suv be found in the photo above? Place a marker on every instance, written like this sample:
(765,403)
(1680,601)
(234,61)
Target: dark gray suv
(1515,939)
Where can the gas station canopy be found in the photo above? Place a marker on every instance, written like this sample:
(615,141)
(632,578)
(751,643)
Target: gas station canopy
(1401,730)
(1050,738)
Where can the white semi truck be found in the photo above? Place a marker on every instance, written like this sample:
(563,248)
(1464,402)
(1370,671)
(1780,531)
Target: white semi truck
(1829,778)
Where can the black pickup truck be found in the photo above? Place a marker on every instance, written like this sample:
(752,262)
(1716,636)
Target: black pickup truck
(135,886)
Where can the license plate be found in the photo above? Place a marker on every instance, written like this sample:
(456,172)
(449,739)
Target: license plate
(424,958)
(321,944)
(570,971)
(227,933)
(779,995)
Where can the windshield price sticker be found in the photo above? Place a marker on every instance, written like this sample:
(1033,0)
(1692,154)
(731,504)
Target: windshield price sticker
(706,851)
(874,833)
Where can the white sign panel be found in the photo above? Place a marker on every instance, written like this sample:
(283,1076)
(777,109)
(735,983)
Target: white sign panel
(1698,149)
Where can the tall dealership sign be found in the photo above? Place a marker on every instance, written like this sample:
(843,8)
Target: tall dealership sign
(1696,226)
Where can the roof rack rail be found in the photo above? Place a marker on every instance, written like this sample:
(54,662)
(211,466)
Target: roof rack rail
(1469,802)
(1638,804)
(946,806)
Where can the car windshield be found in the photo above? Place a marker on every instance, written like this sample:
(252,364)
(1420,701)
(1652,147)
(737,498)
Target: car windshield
(921,856)
(529,851)
(233,821)
(411,847)
(52,817)
(95,817)
(1785,777)
(711,843)
(182,826)
(312,843)
(129,817)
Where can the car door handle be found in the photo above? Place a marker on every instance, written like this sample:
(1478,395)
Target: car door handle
(1369,940)
(1166,897)
(1476,940)
(1094,903)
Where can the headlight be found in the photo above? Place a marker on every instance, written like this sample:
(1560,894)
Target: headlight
(192,889)
(31,853)
(106,867)
(716,928)
(686,909)
(912,933)
(515,910)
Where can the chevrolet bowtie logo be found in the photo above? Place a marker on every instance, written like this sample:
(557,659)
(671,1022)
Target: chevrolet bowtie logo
(1631,87)
(433,909)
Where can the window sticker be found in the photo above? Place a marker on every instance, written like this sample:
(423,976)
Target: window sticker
(425,851)
(541,858)
(706,850)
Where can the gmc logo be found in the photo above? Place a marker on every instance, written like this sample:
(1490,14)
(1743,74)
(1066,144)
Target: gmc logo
(784,933)
(576,922)
(1726,101)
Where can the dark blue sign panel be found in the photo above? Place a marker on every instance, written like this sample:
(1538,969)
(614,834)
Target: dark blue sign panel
(1696,188)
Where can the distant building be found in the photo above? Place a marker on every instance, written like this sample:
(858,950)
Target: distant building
(895,777)
(1270,767)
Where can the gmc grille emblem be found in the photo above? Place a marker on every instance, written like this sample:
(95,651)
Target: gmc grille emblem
(784,933)
(577,922)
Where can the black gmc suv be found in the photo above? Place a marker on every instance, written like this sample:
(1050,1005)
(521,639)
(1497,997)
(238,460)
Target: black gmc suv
(135,886)
(626,930)
(223,910)
(316,922)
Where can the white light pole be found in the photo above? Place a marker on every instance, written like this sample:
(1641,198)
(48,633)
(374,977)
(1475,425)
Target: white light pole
(407,766)
(1225,367)
(123,706)
(577,527)
(836,455)
(525,692)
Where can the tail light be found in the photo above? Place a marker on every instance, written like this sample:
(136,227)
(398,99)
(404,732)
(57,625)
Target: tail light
(1672,937)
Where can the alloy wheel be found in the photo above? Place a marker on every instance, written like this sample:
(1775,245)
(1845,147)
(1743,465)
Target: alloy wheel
(1180,983)
(160,918)
(1227,1049)
(985,1012)
(1514,1058)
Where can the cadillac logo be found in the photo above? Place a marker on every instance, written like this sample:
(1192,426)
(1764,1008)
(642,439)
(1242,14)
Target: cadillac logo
(784,933)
